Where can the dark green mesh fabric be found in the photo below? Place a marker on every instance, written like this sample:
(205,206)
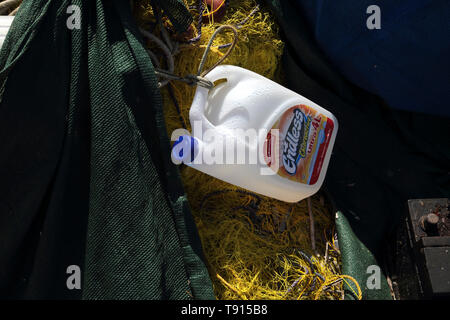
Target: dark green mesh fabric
(87,176)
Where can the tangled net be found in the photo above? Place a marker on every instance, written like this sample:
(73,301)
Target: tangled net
(255,247)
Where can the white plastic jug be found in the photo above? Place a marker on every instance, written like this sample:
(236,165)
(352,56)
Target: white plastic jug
(238,115)
(5,24)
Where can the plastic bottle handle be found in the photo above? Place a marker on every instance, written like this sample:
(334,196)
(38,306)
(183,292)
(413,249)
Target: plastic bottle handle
(232,74)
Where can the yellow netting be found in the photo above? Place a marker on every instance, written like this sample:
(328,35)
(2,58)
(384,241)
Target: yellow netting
(255,247)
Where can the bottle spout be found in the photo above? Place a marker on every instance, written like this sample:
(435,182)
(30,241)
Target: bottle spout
(185,149)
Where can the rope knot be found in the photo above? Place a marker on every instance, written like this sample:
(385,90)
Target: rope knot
(193,80)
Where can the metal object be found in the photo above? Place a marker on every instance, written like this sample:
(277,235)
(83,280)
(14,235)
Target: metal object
(429,223)
(429,233)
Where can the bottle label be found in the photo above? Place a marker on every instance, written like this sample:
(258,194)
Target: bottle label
(304,135)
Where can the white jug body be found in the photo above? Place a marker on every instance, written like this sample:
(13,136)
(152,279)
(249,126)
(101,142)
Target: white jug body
(292,136)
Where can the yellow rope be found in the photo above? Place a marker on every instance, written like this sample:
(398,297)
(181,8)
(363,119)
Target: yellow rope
(231,287)
(359,294)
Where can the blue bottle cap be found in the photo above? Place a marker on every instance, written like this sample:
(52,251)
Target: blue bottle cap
(185,149)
